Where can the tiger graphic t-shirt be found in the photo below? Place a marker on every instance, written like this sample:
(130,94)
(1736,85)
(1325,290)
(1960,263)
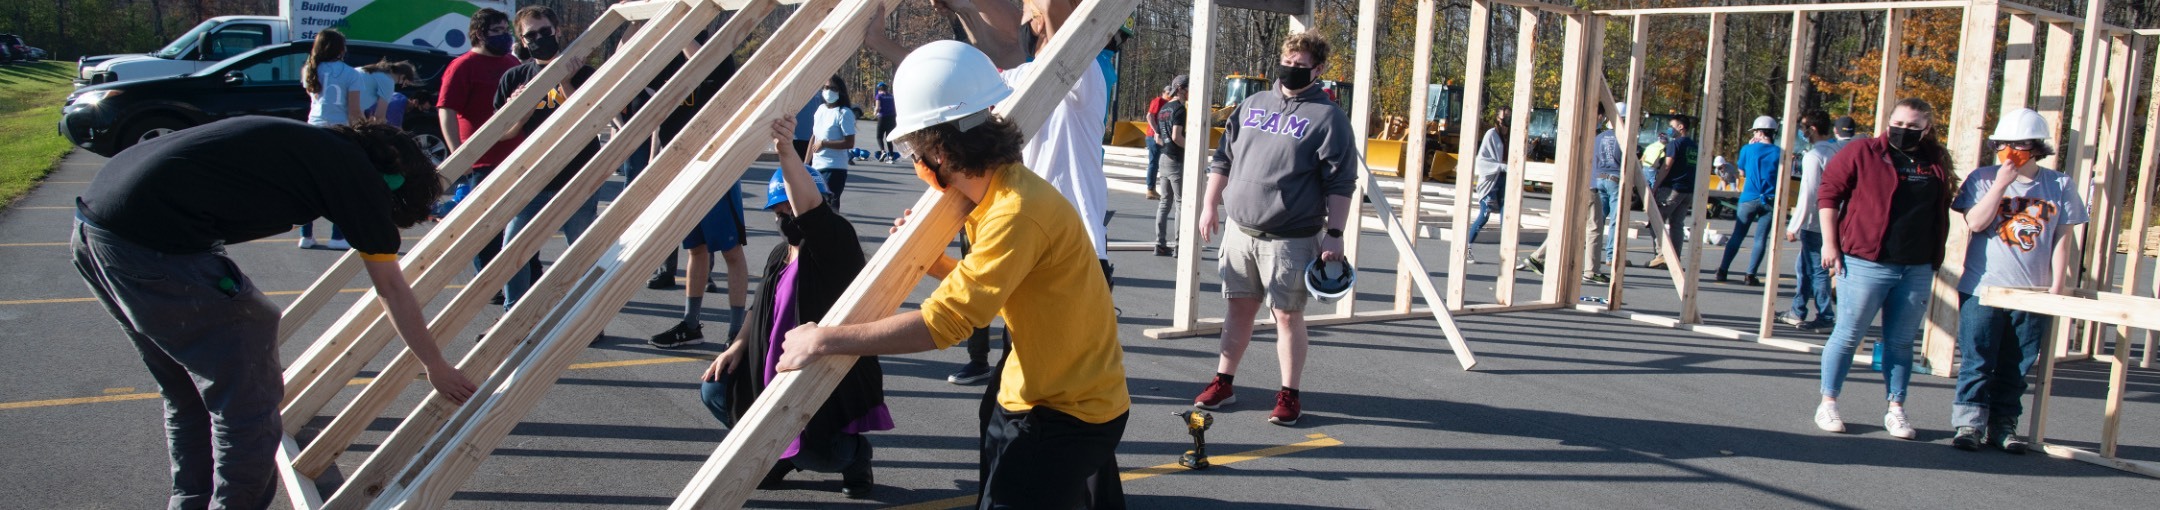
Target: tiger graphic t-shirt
(2019,250)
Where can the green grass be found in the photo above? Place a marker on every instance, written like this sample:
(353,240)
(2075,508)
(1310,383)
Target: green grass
(30,144)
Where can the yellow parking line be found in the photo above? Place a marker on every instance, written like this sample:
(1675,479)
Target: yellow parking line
(1317,441)
(28,404)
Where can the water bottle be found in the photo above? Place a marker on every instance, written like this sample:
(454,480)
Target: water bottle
(1877,364)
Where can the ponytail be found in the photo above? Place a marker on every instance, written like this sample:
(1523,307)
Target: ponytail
(329,47)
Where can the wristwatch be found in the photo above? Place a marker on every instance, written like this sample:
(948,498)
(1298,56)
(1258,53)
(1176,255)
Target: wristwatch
(1334,232)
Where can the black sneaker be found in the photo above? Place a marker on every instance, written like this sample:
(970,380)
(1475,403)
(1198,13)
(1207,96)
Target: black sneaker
(1164,251)
(1819,325)
(711,288)
(1532,265)
(856,481)
(1751,281)
(2005,438)
(682,335)
(497,300)
(778,474)
(1967,439)
(972,374)
(661,281)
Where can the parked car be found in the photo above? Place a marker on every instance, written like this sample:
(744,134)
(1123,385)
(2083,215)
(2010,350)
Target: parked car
(106,119)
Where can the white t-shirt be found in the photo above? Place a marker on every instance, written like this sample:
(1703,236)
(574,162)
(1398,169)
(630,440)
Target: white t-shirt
(338,79)
(831,123)
(376,90)
(1068,150)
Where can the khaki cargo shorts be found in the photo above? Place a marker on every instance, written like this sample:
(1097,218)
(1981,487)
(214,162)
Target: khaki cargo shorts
(1271,268)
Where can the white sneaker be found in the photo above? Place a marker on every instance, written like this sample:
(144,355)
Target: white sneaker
(307,242)
(1826,418)
(1468,260)
(1894,421)
(337,244)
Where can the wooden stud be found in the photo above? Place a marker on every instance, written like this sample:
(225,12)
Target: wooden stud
(1892,74)
(318,294)
(1361,124)
(1518,155)
(378,394)
(2128,55)
(1630,165)
(1967,129)
(1771,9)
(1470,136)
(2055,88)
(1802,45)
(1302,21)
(313,382)
(2148,163)
(2018,62)
(777,417)
(511,331)
(1706,140)
(1185,301)
(1570,157)
(2141,198)
(1405,250)
(1413,165)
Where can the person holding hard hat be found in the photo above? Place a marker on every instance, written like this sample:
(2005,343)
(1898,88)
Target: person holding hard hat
(1758,163)
(1054,416)
(2020,216)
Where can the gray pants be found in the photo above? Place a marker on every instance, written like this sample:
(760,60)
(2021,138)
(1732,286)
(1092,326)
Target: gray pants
(209,338)
(1169,184)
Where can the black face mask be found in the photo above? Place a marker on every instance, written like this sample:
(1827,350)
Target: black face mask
(1903,139)
(1294,78)
(785,223)
(546,48)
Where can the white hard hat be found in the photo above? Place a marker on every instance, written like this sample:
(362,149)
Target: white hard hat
(941,82)
(1328,287)
(1765,122)
(2020,124)
(1622,106)
(1719,162)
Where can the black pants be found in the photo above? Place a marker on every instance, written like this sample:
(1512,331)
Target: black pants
(1674,206)
(1044,458)
(884,125)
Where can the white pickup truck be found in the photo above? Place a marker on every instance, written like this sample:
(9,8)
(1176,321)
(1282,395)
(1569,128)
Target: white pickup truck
(437,24)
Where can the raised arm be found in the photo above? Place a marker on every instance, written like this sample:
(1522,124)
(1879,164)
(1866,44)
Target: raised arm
(792,170)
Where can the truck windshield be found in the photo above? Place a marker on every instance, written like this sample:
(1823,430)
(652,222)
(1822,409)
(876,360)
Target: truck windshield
(185,41)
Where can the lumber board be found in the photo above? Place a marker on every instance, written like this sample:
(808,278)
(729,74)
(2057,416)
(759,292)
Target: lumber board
(1630,130)
(2018,56)
(731,473)
(1803,42)
(2055,87)
(2141,199)
(1892,75)
(1764,9)
(2147,164)
(1185,298)
(1967,132)
(362,410)
(1406,250)
(1518,155)
(1570,157)
(311,385)
(457,165)
(1361,124)
(299,490)
(318,294)
(2146,468)
(1706,136)
(1469,137)
(410,437)
(2101,307)
(600,292)
(1413,164)
(1290,7)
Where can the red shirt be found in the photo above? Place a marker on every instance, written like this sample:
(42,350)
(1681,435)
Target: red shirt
(1859,182)
(1153,107)
(468,86)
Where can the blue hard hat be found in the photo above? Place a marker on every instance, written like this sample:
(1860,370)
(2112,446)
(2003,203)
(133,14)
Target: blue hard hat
(776,189)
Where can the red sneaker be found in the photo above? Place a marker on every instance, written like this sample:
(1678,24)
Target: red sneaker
(1216,395)
(1287,410)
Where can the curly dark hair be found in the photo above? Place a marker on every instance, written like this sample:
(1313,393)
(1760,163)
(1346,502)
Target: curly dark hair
(476,28)
(974,152)
(393,152)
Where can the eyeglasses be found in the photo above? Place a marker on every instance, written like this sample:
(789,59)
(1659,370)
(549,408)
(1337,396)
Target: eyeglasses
(540,34)
(905,150)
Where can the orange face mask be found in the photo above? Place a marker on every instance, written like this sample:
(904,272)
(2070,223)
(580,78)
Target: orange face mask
(928,176)
(2013,157)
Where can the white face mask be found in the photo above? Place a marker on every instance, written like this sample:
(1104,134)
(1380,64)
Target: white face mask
(831,96)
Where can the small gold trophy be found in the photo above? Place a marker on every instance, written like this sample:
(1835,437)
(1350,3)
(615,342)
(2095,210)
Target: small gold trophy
(1196,423)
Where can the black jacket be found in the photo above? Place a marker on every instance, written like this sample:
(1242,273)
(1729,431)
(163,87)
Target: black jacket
(830,256)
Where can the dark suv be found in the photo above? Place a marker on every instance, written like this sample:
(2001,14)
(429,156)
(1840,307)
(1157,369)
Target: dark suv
(109,118)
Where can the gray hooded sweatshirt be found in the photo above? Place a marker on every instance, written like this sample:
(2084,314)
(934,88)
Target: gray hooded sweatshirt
(1283,157)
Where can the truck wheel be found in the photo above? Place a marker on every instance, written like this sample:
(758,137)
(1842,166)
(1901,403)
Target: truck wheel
(147,129)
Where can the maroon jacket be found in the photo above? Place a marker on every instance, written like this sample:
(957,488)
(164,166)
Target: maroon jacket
(1859,182)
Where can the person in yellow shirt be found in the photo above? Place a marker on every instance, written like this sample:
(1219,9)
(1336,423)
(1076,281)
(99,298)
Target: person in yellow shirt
(1054,416)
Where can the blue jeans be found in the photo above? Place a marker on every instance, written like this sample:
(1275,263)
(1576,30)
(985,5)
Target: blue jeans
(1996,348)
(1811,281)
(1493,202)
(1900,292)
(1153,151)
(1607,203)
(1753,220)
(573,227)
